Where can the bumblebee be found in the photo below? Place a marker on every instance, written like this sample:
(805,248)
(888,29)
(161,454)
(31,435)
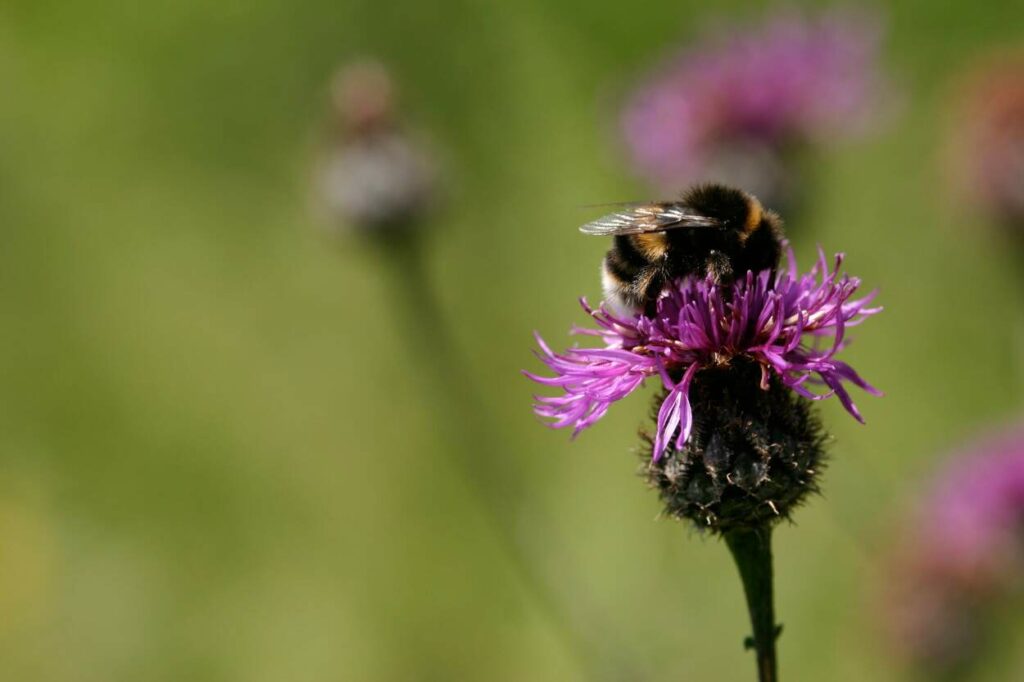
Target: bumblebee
(712,231)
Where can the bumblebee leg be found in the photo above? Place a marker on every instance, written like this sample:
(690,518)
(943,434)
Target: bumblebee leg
(719,268)
(652,285)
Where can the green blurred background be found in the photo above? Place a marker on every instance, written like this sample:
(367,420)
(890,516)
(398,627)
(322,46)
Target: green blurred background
(217,460)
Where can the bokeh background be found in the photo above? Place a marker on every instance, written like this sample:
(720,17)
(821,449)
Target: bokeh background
(220,458)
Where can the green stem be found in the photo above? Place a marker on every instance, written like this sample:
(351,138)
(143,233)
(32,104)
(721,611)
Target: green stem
(471,441)
(752,551)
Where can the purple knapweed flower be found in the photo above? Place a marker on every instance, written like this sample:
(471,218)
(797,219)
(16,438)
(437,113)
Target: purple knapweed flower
(739,101)
(791,325)
(963,549)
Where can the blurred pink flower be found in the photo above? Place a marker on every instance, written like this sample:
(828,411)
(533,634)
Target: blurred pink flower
(988,137)
(963,550)
(736,102)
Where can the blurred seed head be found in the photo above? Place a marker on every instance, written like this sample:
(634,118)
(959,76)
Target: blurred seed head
(363,96)
(372,175)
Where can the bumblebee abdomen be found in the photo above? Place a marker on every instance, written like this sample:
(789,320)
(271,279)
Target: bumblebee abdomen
(623,264)
(762,247)
(629,276)
(713,232)
(653,246)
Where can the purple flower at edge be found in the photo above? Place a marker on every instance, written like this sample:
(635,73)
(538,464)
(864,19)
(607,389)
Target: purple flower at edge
(793,327)
(987,137)
(960,554)
(978,502)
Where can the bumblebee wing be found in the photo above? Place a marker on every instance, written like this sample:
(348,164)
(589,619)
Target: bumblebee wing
(641,218)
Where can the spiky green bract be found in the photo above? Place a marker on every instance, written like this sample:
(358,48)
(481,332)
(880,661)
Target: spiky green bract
(753,456)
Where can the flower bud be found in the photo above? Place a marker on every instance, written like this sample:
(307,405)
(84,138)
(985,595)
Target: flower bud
(753,454)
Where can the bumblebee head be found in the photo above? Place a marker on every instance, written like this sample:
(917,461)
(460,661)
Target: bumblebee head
(733,208)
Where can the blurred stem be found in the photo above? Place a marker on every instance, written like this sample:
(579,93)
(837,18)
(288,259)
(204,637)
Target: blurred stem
(752,551)
(473,444)
(460,415)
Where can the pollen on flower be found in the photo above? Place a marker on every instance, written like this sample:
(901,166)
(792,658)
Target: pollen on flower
(790,327)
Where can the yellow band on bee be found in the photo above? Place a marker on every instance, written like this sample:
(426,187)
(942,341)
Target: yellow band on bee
(754,215)
(652,245)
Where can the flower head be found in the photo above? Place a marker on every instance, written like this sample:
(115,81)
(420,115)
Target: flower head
(963,549)
(790,326)
(975,513)
(988,143)
(737,101)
